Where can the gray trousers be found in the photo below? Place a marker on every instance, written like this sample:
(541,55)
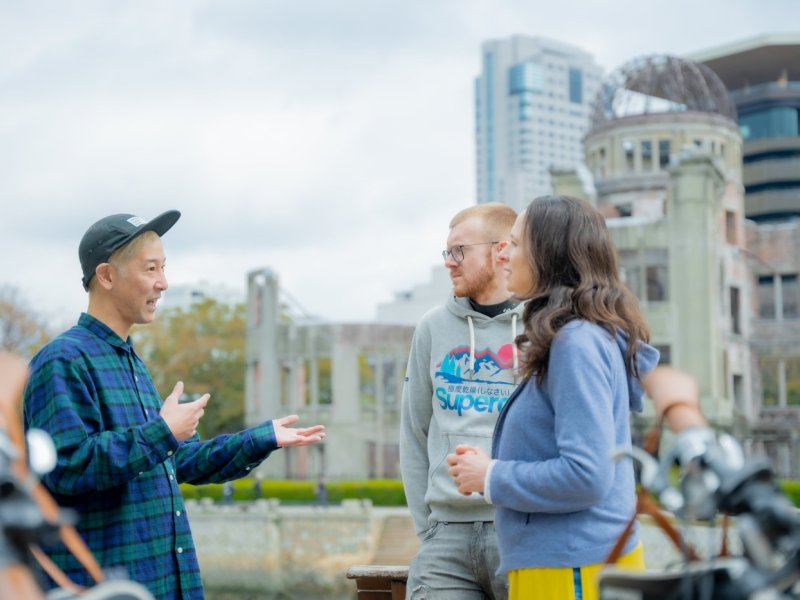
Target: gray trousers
(457,561)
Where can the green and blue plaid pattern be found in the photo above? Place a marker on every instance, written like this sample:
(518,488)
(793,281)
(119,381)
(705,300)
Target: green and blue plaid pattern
(118,463)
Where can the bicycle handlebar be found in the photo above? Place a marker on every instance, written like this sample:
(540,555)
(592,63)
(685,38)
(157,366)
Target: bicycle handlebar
(714,478)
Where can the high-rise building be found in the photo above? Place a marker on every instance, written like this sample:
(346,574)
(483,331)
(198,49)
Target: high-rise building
(762,75)
(532,106)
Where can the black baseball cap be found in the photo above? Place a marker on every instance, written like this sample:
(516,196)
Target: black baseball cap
(111,233)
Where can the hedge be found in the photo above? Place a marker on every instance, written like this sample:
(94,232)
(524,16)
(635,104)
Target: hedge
(382,492)
(791,488)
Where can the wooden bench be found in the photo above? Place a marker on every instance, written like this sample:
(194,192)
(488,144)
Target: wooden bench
(379,582)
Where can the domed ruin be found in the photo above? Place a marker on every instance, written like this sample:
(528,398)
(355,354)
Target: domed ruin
(660,84)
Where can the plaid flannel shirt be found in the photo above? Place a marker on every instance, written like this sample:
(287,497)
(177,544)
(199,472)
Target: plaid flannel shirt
(118,463)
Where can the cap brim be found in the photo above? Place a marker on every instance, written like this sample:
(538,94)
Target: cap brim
(162,223)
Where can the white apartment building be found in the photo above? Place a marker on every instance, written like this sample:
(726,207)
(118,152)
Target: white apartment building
(533,101)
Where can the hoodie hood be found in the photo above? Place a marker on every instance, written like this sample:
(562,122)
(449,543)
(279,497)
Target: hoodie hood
(646,361)
(462,308)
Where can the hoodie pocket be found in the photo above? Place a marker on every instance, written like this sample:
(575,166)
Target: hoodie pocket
(441,487)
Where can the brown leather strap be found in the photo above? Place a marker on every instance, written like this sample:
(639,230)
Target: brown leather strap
(55,573)
(68,534)
(616,551)
(645,505)
(14,376)
(723,546)
(652,439)
(651,508)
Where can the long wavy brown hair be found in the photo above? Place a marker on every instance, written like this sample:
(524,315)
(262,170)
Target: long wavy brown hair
(575,276)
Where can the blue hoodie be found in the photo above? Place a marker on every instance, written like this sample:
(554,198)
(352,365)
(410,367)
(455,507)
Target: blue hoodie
(560,500)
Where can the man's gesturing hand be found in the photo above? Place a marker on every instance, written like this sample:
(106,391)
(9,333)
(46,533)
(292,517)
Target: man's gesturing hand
(288,436)
(182,419)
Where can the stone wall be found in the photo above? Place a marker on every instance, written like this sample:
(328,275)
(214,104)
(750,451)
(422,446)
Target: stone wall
(266,547)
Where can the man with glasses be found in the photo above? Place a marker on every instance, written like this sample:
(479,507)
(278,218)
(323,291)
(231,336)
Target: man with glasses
(461,371)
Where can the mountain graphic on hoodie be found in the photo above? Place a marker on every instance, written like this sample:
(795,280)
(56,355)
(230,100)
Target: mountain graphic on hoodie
(455,366)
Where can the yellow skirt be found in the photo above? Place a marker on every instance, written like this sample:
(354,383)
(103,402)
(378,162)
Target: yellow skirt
(559,583)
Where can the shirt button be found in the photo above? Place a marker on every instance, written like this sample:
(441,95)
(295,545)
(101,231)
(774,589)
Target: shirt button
(169,453)
(247,468)
(178,513)
(180,550)
(141,472)
(171,478)
(136,378)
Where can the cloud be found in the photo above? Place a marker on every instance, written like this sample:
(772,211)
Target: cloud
(330,141)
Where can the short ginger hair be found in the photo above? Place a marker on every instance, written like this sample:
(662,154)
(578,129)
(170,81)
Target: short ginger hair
(497,218)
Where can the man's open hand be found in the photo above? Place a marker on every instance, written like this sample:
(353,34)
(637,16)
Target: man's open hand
(289,436)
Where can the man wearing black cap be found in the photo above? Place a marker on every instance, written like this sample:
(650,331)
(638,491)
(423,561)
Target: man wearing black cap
(122,450)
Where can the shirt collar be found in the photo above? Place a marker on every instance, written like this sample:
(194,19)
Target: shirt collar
(104,332)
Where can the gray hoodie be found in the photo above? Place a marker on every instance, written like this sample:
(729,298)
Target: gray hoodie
(461,371)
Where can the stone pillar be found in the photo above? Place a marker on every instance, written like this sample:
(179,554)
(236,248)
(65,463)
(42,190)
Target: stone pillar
(696,284)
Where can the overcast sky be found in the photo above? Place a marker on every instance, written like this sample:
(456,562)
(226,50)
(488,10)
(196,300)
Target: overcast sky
(329,141)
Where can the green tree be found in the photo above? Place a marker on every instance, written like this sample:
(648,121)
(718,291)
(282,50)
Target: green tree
(204,347)
(21,330)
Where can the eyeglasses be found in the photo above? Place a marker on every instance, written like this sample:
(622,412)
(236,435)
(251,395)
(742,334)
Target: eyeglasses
(457,252)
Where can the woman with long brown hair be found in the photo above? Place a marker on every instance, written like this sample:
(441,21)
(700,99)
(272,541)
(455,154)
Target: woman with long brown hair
(561,501)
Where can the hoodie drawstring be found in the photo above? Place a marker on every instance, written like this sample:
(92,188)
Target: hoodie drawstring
(471,346)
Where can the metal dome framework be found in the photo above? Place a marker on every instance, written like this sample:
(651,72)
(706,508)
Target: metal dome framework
(660,84)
